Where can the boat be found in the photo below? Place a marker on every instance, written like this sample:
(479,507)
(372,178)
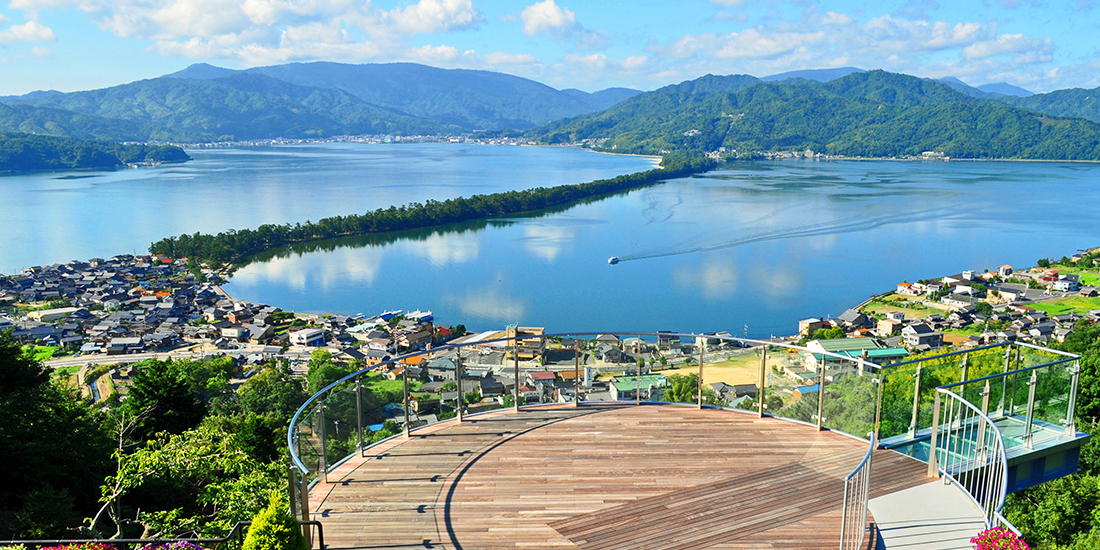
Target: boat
(613,260)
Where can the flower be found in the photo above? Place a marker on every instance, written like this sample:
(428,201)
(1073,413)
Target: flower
(998,538)
(81,546)
(174,545)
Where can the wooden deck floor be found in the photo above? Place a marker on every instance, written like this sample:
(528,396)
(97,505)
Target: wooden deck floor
(603,477)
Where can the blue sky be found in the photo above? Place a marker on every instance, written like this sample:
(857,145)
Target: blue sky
(70,45)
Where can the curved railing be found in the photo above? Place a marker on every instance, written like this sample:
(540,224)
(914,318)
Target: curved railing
(857,490)
(311,430)
(842,392)
(969,451)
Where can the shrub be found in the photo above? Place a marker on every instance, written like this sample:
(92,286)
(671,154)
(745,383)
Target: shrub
(998,538)
(81,546)
(275,529)
(174,545)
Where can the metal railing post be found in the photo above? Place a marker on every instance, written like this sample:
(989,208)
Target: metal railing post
(763,378)
(292,487)
(458,379)
(576,375)
(1071,418)
(965,372)
(324,449)
(406,402)
(821,396)
(1032,383)
(913,422)
(1004,382)
(881,380)
(359,414)
(515,370)
(933,471)
(702,344)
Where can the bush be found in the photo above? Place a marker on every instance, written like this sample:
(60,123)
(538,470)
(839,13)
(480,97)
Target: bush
(998,538)
(174,545)
(81,546)
(275,529)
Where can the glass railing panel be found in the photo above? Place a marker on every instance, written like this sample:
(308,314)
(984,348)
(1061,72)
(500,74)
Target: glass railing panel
(1052,398)
(897,400)
(784,372)
(341,428)
(851,394)
(309,442)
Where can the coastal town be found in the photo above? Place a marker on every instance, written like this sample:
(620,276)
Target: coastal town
(93,320)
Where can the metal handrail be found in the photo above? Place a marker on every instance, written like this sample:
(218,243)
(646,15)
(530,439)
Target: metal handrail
(857,491)
(983,477)
(237,532)
(309,403)
(1009,373)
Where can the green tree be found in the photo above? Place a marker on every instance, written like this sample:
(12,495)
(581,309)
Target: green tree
(322,371)
(54,448)
(162,394)
(272,391)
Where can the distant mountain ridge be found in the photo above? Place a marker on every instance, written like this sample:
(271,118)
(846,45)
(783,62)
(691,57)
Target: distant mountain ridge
(868,114)
(469,99)
(322,99)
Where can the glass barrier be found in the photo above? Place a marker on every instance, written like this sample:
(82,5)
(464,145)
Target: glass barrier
(1052,391)
(899,385)
(657,367)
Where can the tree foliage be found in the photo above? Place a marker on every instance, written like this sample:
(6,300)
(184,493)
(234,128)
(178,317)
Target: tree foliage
(27,152)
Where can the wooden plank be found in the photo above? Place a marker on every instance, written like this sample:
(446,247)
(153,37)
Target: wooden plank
(603,476)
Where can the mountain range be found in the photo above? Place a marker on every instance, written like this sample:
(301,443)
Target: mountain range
(301,100)
(864,113)
(842,109)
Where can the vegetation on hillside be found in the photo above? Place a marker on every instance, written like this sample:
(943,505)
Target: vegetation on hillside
(872,114)
(1064,514)
(27,152)
(228,246)
(1073,102)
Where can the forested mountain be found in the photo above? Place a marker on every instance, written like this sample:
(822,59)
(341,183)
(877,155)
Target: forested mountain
(26,153)
(301,100)
(472,100)
(872,113)
(1073,102)
(239,107)
(16,117)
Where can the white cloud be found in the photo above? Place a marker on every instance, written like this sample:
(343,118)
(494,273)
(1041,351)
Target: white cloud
(1007,44)
(501,58)
(41,52)
(547,18)
(31,31)
(435,16)
(3,19)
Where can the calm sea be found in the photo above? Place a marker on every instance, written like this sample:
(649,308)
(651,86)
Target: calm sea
(48,218)
(751,248)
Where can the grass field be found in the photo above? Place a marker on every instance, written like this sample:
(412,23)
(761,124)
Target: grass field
(1070,304)
(744,369)
(44,353)
(896,302)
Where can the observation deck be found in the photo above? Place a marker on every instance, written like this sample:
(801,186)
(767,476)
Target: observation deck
(607,469)
(603,476)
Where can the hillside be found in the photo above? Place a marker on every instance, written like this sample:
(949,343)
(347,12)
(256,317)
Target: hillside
(27,153)
(471,100)
(238,107)
(874,113)
(1074,102)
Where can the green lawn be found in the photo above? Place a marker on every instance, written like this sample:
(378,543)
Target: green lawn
(44,353)
(1074,304)
(895,302)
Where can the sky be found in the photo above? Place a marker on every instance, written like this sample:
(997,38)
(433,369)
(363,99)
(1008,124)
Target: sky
(70,45)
